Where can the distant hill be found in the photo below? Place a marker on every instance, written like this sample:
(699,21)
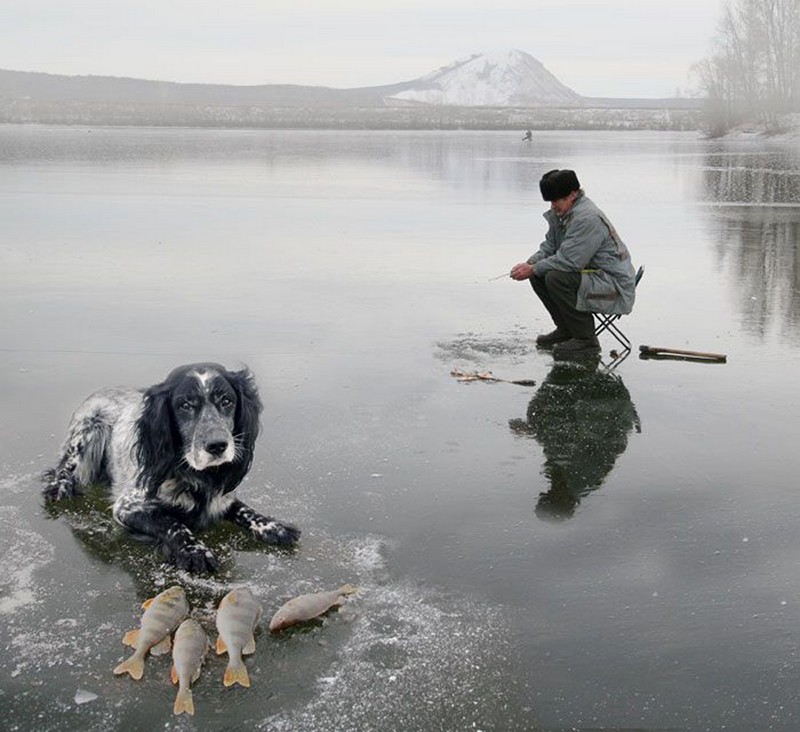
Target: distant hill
(48,88)
(508,81)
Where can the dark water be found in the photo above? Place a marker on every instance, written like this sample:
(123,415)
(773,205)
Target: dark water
(606,549)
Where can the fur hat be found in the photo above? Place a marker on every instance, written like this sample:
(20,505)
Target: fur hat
(558,184)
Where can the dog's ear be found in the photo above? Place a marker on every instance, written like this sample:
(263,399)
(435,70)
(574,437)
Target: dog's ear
(156,445)
(246,422)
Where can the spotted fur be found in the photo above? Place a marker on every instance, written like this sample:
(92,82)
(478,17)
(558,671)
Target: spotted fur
(172,455)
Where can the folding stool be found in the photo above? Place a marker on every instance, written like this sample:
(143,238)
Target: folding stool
(608,321)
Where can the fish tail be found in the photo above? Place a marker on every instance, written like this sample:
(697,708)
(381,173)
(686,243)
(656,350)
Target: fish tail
(184,702)
(236,674)
(133,666)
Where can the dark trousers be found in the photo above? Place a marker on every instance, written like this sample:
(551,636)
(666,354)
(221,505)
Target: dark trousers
(558,292)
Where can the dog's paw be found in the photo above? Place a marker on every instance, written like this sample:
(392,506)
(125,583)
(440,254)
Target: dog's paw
(194,557)
(59,485)
(275,532)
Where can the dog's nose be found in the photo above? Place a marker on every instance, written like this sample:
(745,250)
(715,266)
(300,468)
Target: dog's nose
(216,448)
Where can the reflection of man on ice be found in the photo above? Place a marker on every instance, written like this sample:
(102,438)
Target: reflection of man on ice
(528,136)
(582,418)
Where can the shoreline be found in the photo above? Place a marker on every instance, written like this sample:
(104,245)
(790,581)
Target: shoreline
(788,128)
(352,118)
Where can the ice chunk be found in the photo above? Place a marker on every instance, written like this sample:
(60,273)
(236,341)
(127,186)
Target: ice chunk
(83,697)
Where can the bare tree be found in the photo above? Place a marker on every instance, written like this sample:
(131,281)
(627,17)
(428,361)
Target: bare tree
(754,70)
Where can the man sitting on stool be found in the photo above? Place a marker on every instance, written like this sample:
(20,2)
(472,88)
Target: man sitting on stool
(581,267)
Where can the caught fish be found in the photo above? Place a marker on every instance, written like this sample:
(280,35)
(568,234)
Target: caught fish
(162,614)
(237,617)
(487,376)
(308,607)
(189,648)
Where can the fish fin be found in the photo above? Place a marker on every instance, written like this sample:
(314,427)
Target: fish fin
(173,674)
(131,638)
(162,647)
(237,675)
(133,666)
(147,603)
(184,702)
(196,674)
(250,646)
(221,646)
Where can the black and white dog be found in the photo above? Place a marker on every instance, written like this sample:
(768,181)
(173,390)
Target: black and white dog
(172,454)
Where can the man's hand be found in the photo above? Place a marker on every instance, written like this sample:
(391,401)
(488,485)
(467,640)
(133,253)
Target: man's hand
(522,271)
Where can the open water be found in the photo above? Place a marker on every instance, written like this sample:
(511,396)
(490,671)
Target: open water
(608,549)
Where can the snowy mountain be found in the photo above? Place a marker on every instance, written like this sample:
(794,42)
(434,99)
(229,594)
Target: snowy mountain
(507,79)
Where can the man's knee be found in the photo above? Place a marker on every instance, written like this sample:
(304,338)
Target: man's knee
(562,280)
(562,286)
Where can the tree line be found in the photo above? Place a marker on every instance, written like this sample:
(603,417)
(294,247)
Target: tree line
(753,73)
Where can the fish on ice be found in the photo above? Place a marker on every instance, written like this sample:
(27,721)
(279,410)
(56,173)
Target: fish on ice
(237,616)
(162,614)
(189,648)
(307,607)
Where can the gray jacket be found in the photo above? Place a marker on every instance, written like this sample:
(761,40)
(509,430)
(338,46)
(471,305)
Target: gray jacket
(585,241)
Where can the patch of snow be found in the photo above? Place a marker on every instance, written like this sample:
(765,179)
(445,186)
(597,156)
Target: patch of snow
(22,552)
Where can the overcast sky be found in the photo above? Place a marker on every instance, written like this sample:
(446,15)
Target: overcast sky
(621,48)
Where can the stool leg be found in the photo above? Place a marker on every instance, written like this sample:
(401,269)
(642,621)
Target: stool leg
(608,322)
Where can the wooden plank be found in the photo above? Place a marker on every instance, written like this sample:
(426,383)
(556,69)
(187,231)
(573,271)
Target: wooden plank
(657,351)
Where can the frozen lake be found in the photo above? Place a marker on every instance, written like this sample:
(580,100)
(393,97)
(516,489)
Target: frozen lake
(601,550)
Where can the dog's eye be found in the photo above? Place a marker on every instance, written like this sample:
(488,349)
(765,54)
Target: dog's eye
(187,407)
(226,402)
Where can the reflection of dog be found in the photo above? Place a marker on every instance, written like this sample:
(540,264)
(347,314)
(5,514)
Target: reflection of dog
(173,455)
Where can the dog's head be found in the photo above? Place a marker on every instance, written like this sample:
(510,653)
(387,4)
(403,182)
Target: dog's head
(202,420)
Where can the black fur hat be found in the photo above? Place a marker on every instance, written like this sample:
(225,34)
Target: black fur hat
(558,184)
